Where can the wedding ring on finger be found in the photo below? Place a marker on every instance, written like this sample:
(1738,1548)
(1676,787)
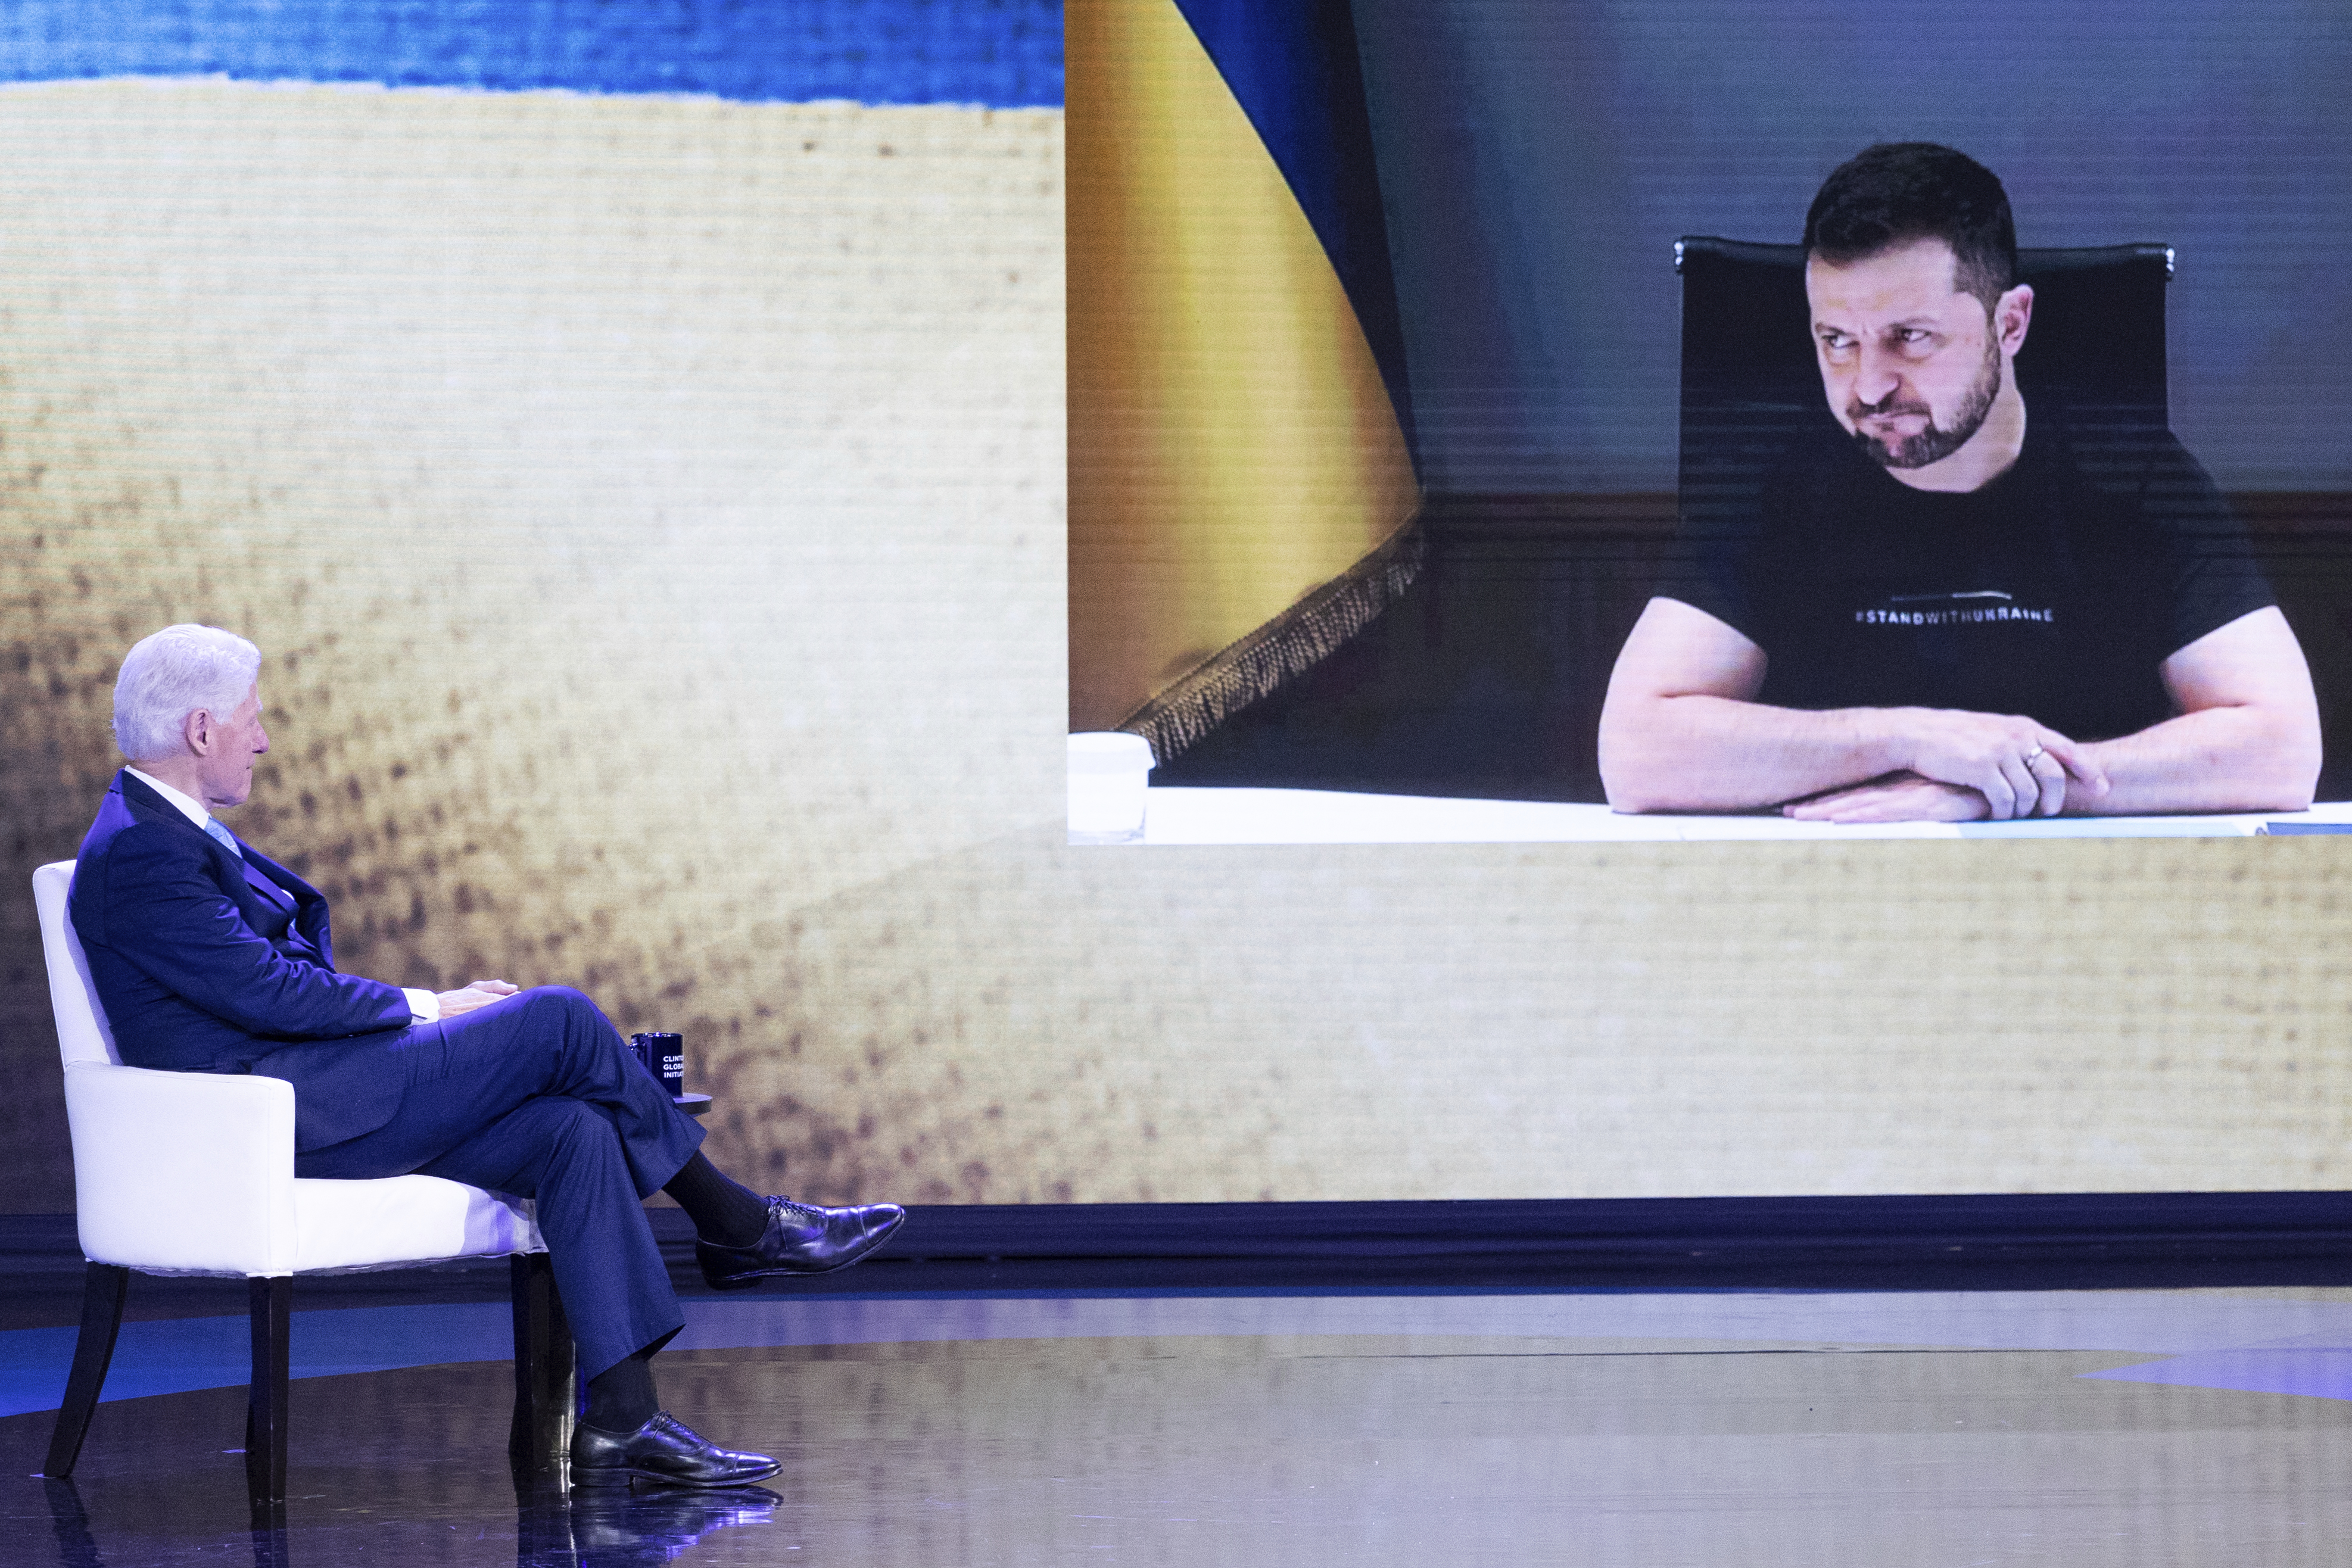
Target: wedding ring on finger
(2031,758)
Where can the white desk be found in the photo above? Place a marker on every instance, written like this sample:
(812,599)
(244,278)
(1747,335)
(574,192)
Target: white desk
(1330,817)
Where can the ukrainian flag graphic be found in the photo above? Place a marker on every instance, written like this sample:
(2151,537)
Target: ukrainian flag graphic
(1241,479)
(633,431)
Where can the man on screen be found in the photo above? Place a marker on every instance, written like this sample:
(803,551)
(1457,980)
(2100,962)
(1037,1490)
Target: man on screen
(1949,612)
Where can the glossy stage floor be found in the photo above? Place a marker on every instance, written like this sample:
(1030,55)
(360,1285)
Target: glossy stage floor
(1358,1425)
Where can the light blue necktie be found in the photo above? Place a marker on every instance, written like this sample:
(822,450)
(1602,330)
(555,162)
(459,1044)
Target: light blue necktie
(223,837)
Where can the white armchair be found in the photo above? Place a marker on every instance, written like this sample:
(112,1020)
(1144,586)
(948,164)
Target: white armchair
(192,1173)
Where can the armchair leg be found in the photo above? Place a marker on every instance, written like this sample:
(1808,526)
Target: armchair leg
(546,1371)
(102,1292)
(269,1535)
(68,1521)
(265,1410)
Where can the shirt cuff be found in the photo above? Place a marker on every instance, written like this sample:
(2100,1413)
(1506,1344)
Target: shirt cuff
(423,1006)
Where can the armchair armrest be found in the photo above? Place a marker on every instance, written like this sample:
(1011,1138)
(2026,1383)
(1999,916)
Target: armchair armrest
(189,1172)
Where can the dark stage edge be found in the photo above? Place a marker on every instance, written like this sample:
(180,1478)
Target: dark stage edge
(2067,1241)
(2059,1241)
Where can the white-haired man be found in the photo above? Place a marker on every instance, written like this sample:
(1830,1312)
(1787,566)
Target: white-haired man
(211,957)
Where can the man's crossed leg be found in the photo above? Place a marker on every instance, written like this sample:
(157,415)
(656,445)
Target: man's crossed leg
(535,1095)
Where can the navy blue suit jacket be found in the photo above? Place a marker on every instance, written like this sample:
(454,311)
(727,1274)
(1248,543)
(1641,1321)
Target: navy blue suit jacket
(173,930)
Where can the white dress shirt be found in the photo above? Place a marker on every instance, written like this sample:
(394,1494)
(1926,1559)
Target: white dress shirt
(424,1006)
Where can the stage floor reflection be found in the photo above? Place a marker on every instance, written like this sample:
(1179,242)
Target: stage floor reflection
(2085,1428)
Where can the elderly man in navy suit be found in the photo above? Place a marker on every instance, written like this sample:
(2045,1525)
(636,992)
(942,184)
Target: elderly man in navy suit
(211,957)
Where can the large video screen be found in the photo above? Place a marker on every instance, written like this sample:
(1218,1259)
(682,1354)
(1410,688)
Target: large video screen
(654,444)
(1726,535)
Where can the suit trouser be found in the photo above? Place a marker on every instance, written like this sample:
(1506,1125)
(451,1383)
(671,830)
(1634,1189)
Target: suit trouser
(535,1095)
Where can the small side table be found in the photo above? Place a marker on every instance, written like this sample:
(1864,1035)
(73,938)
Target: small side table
(693,1104)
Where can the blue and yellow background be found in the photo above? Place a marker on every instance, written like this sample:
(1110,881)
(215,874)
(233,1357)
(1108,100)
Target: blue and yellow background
(641,436)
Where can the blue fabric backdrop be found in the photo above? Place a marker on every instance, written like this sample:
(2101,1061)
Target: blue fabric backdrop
(1000,53)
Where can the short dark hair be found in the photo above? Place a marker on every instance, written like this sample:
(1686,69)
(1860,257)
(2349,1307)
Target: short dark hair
(1898,192)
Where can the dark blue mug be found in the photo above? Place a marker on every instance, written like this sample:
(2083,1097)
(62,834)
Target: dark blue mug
(663,1056)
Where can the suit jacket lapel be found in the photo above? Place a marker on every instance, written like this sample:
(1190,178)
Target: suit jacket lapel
(309,903)
(146,806)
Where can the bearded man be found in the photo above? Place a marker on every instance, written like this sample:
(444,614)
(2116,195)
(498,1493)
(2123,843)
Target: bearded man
(1947,611)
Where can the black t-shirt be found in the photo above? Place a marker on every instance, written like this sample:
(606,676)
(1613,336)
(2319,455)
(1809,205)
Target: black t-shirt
(2054,591)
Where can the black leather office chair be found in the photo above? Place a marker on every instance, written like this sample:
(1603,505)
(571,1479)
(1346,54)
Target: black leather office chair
(2097,333)
(1749,382)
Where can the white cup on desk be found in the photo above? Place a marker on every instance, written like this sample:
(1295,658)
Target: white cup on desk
(1108,770)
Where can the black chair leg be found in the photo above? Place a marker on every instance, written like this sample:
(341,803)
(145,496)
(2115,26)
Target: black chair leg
(71,1525)
(269,1535)
(544,1533)
(265,1408)
(103,1291)
(546,1371)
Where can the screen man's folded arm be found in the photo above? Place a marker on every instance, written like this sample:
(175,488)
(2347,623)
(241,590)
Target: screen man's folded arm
(2247,737)
(1680,731)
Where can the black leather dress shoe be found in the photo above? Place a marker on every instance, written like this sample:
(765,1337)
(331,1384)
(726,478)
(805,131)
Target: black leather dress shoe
(663,1449)
(801,1238)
